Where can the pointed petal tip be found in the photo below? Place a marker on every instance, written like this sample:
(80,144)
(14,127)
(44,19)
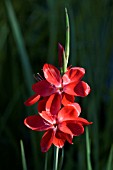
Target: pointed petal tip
(47,140)
(44,150)
(32,100)
(60,47)
(90,123)
(88,89)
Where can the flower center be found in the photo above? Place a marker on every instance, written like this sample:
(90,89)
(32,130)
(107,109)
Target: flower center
(55,125)
(61,88)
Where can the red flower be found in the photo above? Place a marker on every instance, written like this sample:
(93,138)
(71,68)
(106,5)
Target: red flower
(60,125)
(69,85)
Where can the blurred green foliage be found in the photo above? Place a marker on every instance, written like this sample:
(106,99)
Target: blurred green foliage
(29,35)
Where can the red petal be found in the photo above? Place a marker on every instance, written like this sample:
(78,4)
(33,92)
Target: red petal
(59,139)
(37,123)
(81,89)
(64,136)
(42,104)
(43,88)
(64,128)
(52,74)
(76,107)
(71,128)
(32,100)
(54,103)
(69,138)
(60,54)
(83,121)
(69,112)
(67,99)
(47,140)
(48,117)
(69,89)
(74,74)
(76,128)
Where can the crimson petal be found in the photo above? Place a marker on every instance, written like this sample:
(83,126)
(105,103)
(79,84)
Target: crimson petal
(52,74)
(54,103)
(64,136)
(59,139)
(81,89)
(42,104)
(69,112)
(47,140)
(76,107)
(32,100)
(72,128)
(67,99)
(60,54)
(69,138)
(74,74)
(64,128)
(76,128)
(43,88)
(37,123)
(48,117)
(83,121)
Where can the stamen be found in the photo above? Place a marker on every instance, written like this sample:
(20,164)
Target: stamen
(41,78)
(37,77)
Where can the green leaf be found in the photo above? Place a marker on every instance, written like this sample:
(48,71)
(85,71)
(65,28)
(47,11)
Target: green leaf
(67,45)
(110,159)
(88,150)
(23,156)
(46,159)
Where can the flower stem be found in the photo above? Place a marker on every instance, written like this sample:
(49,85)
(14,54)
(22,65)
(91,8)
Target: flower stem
(23,156)
(67,43)
(88,150)
(46,157)
(67,35)
(61,159)
(56,151)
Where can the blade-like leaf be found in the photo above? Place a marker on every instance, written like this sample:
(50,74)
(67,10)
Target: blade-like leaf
(23,156)
(110,159)
(88,150)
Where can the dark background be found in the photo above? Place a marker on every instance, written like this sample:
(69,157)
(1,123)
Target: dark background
(30,40)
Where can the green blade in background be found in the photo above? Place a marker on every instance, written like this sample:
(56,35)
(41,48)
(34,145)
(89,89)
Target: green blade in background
(110,159)
(27,71)
(23,156)
(88,150)
(67,44)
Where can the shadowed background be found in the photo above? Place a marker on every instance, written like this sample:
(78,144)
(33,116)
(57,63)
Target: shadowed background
(29,36)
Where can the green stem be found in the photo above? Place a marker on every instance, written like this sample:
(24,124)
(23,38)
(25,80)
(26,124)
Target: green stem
(46,158)
(67,45)
(88,150)
(61,159)
(56,151)
(110,160)
(23,156)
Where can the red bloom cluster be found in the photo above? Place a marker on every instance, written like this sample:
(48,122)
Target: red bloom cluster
(68,86)
(58,114)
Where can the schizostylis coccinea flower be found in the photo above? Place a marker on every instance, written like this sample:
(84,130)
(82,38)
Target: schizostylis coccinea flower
(68,85)
(60,124)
